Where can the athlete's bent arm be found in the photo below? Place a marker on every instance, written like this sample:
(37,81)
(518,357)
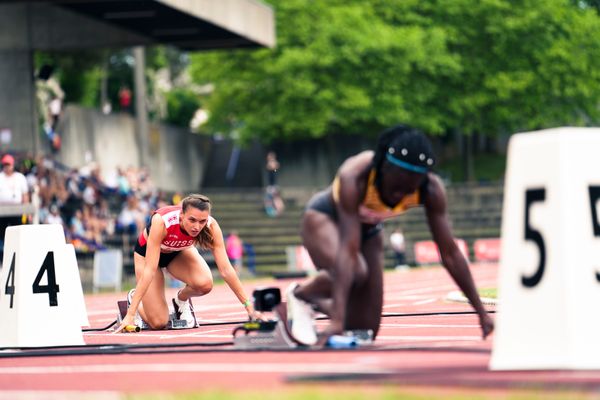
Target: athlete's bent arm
(227,271)
(452,259)
(155,237)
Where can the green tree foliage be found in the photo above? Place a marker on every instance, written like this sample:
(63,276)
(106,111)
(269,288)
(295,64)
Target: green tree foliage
(352,66)
(525,65)
(338,66)
(78,73)
(181,106)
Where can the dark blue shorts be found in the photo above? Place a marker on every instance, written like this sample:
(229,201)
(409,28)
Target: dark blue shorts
(163,261)
(323,203)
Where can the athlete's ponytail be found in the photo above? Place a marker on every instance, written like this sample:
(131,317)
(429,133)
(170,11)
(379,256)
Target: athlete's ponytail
(205,238)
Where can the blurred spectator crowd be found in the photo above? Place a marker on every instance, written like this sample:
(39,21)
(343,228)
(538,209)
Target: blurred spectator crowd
(90,208)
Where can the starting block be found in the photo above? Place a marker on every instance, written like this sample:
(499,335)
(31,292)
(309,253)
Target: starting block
(41,298)
(271,334)
(174,322)
(275,333)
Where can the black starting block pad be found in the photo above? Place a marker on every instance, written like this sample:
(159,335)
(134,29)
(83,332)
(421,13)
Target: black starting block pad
(173,323)
(271,334)
(275,334)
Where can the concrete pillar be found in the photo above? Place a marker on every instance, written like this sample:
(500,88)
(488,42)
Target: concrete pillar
(141,112)
(17,108)
(17,93)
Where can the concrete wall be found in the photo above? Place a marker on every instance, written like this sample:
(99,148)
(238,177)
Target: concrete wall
(177,157)
(314,163)
(181,158)
(304,163)
(27,26)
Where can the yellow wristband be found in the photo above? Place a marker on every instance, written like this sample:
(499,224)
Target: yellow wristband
(246,303)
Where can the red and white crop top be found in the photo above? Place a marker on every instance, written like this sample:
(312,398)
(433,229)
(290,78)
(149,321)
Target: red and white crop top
(176,239)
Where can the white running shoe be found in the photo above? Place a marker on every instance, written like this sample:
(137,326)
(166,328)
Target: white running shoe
(300,318)
(185,311)
(137,319)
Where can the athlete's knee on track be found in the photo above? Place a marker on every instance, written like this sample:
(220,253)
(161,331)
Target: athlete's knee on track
(361,274)
(201,286)
(157,321)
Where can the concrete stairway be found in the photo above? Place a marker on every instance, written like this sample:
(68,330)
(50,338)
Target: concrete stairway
(475,212)
(243,211)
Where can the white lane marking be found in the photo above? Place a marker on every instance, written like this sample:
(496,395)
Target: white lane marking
(59,395)
(113,311)
(215,321)
(392,325)
(192,334)
(107,334)
(165,335)
(401,296)
(256,367)
(426,301)
(240,313)
(416,291)
(101,320)
(394,305)
(428,338)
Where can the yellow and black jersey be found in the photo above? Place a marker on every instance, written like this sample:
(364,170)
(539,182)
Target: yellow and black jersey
(372,209)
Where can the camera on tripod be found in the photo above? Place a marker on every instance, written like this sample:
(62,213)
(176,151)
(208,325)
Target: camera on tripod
(265,299)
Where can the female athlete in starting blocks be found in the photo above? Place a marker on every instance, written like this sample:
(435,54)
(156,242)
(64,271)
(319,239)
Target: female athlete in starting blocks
(342,231)
(169,242)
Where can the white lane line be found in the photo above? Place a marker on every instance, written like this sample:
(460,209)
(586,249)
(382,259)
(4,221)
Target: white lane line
(214,321)
(200,335)
(192,334)
(60,395)
(256,367)
(101,320)
(426,289)
(428,338)
(138,334)
(113,311)
(394,305)
(409,297)
(384,325)
(157,335)
(426,301)
(240,313)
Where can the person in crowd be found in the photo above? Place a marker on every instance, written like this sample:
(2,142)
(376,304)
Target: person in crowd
(13,190)
(54,111)
(272,167)
(342,231)
(54,216)
(398,245)
(125,97)
(131,219)
(235,250)
(273,203)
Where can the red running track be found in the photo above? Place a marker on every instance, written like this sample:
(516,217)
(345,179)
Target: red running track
(431,350)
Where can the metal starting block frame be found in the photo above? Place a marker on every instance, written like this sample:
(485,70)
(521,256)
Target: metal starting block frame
(271,334)
(173,323)
(275,333)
